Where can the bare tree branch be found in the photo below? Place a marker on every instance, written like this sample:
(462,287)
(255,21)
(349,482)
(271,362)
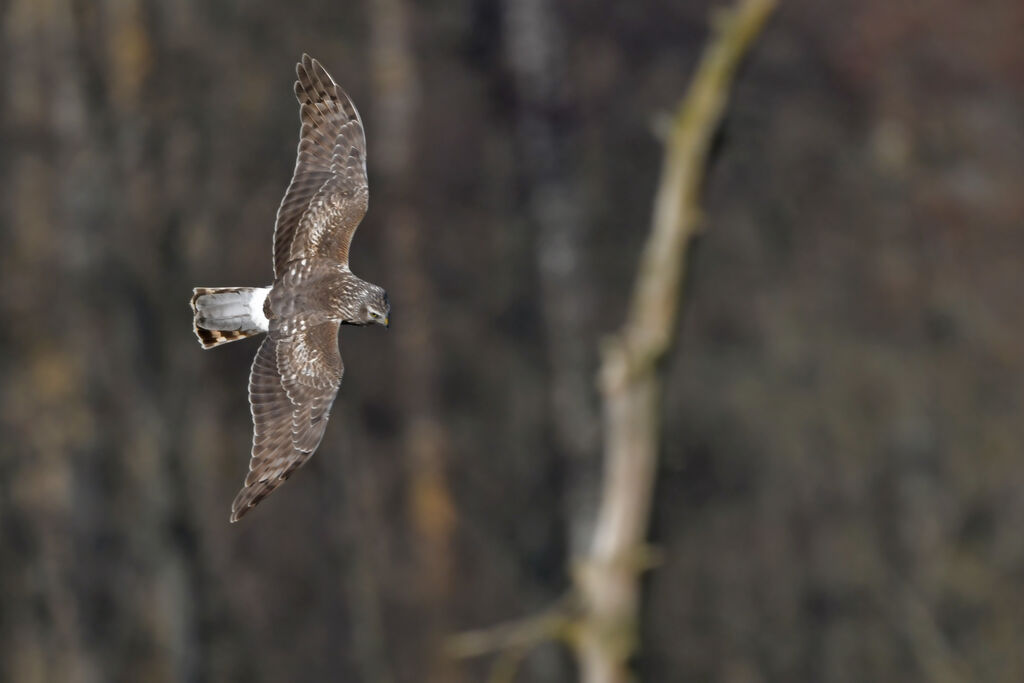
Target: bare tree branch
(600,620)
(607,579)
(554,623)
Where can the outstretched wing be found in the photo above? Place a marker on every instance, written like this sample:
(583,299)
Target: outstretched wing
(291,389)
(328,194)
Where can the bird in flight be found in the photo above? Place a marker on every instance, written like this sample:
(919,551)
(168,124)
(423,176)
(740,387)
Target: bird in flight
(298,367)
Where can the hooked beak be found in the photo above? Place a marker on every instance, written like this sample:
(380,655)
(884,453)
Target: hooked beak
(387,321)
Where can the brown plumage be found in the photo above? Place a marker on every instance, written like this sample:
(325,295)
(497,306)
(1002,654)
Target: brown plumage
(298,368)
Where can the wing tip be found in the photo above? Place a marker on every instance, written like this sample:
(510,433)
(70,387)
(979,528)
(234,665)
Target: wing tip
(246,500)
(252,494)
(310,68)
(238,512)
(238,506)
(312,71)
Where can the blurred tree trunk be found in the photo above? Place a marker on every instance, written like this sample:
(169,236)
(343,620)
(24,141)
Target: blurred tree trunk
(42,610)
(607,579)
(425,439)
(80,182)
(602,622)
(537,54)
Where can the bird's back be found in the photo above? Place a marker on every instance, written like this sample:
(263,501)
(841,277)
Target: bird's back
(313,288)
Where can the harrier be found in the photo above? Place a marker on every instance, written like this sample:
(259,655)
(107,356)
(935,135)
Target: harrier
(298,368)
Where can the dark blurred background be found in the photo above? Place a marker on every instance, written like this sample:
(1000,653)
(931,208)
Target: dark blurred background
(840,491)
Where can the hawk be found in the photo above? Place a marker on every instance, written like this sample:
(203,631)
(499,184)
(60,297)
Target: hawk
(298,368)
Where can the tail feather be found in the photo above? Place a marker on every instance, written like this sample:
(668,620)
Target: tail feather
(227,314)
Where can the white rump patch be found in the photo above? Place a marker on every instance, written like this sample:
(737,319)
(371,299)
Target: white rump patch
(255,304)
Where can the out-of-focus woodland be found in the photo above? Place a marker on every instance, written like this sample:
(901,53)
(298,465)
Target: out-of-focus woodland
(840,489)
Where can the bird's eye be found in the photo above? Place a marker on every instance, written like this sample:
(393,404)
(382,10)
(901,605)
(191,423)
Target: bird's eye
(374,314)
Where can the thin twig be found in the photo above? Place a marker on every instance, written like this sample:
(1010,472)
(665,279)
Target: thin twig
(554,623)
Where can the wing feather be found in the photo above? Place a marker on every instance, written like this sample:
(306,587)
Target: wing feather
(291,390)
(328,195)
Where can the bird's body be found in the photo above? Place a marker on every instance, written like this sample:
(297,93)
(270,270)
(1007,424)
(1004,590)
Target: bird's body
(316,290)
(298,368)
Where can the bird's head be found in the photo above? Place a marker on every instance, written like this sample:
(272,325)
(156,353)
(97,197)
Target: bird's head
(375,309)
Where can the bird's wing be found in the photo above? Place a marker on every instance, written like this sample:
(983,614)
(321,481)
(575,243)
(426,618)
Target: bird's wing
(328,194)
(291,389)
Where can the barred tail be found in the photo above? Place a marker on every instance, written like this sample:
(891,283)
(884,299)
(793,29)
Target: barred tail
(227,314)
